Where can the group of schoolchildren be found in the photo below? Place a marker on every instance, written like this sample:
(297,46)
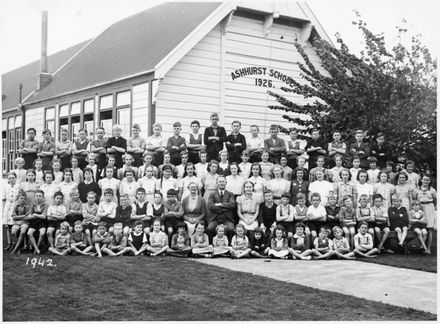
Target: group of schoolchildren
(190,196)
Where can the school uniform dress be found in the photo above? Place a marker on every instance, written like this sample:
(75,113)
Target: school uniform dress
(276,143)
(404,192)
(193,155)
(276,243)
(221,245)
(427,198)
(84,145)
(118,142)
(233,150)
(137,240)
(213,147)
(248,207)
(29,158)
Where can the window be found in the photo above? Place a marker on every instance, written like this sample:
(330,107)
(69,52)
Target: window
(89,109)
(18,134)
(106,114)
(123,102)
(11,142)
(64,118)
(50,120)
(4,144)
(75,119)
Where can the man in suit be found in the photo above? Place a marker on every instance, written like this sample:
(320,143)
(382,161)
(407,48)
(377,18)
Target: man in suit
(221,204)
(214,137)
(274,145)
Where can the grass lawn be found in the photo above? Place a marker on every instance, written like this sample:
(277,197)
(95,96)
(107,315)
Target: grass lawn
(147,289)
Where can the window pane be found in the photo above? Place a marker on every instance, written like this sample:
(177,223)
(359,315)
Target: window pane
(4,124)
(11,122)
(106,118)
(123,119)
(64,110)
(18,121)
(50,124)
(155,89)
(75,129)
(106,102)
(123,98)
(50,113)
(11,140)
(18,138)
(89,106)
(75,109)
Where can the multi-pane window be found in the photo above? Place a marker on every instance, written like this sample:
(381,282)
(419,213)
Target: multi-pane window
(123,101)
(50,120)
(106,114)
(89,109)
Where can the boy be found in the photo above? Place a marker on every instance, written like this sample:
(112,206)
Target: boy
(285,214)
(323,246)
(341,247)
(360,149)
(78,240)
(332,211)
(235,143)
(380,150)
(37,219)
(294,148)
(81,148)
(142,210)
(155,144)
(373,171)
(63,149)
(19,218)
(274,145)
(176,144)
(173,213)
(214,137)
(320,160)
(62,241)
(194,142)
(136,145)
(123,213)
(116,145)
(316,214)
(118,242)
(101,238)
(314,148)
(399,219)
(97,147)
(363,242)
(381,222)
(107,208)
(258,244)
(29,148)
(91,219)
(46,149)
(254,144)
(337,147)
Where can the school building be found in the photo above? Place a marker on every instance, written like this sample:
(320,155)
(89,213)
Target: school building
(173,62)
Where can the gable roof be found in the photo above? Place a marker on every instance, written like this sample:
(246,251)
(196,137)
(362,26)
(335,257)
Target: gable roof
(151,41)
(27,76)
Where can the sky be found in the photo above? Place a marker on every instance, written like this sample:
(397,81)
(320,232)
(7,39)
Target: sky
(73,21)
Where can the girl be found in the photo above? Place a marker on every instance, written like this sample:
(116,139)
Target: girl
(239,243)
(301,213)
(189,176)
(258,181)
(128,159)
(158,240)
(278,244)
(77,173)
(320,167)
(220,242)
(373,171)
(278,185)
(10,192)
(286,215)
(67,185)
(109,182)
(202,166)
(234,182)
(20,220)
(365,213)
(210,182)
(148,161)
(194,208)
(30,186)
(57,173)
(223,166)
(91,160)
(336,170)
(355,169)
(118,243)
(344,187)
(88,185)
(248,207)
(56,213)
(323,245)
(180,243)
(427,196)
(138,239)
(148,182)
(19,171)
(398,215)
(39,173)
(200,242)
(320,186)
(417,222)
(267,213)
(300,244)
(266,166)
(245,166)
(347,217)
(316,214)
(111,163)
(287,171)
(49,187)
(37,220)
(299,185)
(341,246)
(363,187)
(62,241)
(384,188)
(158,206)
(167,162)
(403,189)
(128,185)
(180,169)
(166,182)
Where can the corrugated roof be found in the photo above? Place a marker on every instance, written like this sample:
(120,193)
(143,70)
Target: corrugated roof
(133,45)
(27,76)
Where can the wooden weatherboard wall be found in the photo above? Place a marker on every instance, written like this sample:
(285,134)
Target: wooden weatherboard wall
(229,72)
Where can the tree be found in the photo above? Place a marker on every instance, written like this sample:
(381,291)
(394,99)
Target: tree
(393,92)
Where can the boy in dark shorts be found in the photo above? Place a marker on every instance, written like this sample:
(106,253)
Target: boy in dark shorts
(173,213)
(101,238)
(37,220)
(78,240)
(123,214)
(142,210)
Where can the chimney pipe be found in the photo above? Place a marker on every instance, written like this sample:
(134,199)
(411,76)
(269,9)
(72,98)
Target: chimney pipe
(43,61)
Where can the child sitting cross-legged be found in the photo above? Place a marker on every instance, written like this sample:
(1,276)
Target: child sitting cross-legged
(220,242)
(101,238)
(118,242)
(137,240)
(323,245)
(300,244)
(258,244)
(158,240)
(200,242)
(78,240)
(240,243)
(341,247)
(279,244)
(363,242)
(62,240)
(180,243)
